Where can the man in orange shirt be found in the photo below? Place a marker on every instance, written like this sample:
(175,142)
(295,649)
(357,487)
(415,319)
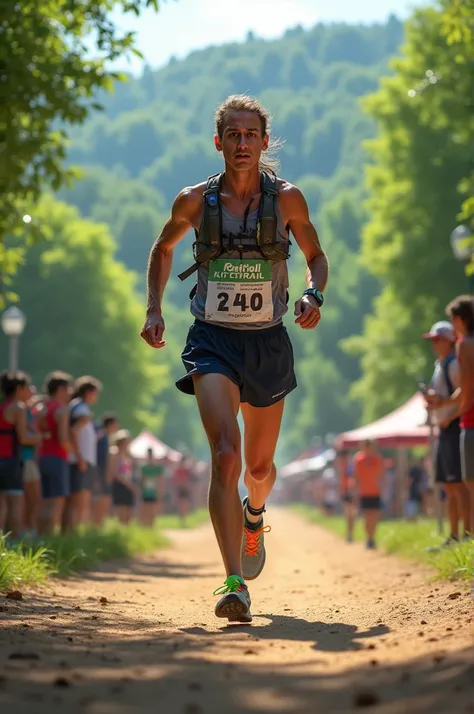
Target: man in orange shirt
(369,472)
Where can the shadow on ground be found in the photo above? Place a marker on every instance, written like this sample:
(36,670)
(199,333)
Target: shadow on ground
(99,661)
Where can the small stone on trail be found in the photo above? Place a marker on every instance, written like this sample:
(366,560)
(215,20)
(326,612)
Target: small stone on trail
(14,595)
(423,622)
(193,708)
(104,601)
(366,698)
(452,596)
(250,652)
(62,682)
(374,662)
(23,655)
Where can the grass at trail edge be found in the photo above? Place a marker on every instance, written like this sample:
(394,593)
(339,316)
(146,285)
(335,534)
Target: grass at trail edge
(409,540)
(33,561)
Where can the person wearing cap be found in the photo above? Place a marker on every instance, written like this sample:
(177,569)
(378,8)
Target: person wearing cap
(444,383)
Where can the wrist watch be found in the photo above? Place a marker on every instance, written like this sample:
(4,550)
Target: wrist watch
(317,294)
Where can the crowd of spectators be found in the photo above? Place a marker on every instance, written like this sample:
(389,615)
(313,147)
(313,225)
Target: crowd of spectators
(59,467)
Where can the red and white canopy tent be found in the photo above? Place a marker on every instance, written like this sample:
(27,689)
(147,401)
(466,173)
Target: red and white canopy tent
(144,441)
(402,429)
(405,427)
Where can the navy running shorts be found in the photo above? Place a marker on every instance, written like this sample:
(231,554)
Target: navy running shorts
(11,476)
(54,477)
(448,455)
(259,362)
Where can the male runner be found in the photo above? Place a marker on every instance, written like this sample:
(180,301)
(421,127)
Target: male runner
(238,354)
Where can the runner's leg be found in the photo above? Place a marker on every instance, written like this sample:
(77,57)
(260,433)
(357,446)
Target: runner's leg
(218,399)
(261,430)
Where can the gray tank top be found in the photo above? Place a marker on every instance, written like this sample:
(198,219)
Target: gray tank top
(240,284)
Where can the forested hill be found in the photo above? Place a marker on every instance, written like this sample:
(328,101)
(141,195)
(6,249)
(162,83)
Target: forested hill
(158,129)
(155,136)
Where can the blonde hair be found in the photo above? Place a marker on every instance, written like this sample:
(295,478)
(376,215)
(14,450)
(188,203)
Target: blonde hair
(269,160)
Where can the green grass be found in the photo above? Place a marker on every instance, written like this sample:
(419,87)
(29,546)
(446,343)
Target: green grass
(409,540)
(32,562)
(196,518)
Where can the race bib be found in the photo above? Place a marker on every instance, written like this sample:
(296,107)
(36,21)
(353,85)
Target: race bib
(239,291)
(149,484)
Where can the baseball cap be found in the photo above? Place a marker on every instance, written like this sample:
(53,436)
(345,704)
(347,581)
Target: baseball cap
(443,329)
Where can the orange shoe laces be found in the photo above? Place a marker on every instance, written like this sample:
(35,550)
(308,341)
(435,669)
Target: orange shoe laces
(253,539)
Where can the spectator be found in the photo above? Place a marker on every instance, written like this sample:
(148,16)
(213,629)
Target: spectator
(101,488)
(152,487)
(121,476)
(83,452)
(30,472)
(369,472)
(444,383)
(53,454)
(415,490)
(15,388)
(461,312)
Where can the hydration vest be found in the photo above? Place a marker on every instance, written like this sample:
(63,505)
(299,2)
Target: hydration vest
(209,245)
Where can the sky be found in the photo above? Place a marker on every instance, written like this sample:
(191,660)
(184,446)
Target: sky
(185,25)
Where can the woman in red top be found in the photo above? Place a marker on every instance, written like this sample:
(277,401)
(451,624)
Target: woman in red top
(53,457)
(15,391)
(461,313)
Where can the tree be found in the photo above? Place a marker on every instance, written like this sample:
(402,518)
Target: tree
(48,80)
(422,156)
(84,317)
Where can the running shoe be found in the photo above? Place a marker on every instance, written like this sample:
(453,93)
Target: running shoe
(371,544)
(253,547)
(235,601)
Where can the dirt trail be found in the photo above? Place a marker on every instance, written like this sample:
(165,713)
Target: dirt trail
(335,629)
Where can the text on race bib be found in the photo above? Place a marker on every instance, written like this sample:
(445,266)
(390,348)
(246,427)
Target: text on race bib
(239,291)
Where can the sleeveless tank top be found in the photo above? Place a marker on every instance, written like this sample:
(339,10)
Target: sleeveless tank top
(234,225)
(8,437)
(467,419)
(52,446)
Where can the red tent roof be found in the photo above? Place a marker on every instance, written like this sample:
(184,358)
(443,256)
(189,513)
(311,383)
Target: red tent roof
(406,426)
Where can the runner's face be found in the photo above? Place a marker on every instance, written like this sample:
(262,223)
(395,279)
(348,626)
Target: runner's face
(242,141)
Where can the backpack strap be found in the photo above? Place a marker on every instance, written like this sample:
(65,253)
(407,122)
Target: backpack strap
(209,233)
(267,222)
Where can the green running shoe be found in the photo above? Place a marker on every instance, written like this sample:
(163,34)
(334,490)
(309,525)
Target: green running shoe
(235,603)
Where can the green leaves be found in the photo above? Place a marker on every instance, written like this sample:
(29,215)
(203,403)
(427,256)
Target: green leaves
(422,164)
(47,78)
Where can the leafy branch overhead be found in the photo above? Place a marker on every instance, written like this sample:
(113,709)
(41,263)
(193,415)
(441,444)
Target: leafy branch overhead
(55,58)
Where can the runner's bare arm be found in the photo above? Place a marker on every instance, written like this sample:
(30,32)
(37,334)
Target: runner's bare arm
(183,215)
(295,210)
(161,255)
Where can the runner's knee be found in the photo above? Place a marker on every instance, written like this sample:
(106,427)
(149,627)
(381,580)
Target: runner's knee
(260,470)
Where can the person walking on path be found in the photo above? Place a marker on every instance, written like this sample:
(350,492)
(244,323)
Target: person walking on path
(238,355)
(369,471)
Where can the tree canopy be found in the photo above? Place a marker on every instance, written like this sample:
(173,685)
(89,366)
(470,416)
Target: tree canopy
(55,56)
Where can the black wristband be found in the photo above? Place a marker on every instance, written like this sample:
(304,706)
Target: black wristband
(316,294)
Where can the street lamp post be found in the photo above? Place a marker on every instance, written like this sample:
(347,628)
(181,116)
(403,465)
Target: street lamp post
(462,244)
(13,323)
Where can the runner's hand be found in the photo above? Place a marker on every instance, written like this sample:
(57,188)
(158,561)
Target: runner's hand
(153,329)
(307,312)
